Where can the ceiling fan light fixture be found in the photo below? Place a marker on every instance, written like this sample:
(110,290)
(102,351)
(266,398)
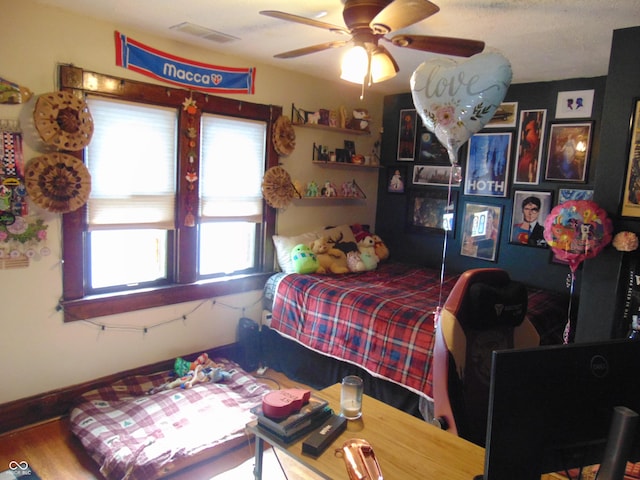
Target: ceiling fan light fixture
(383,66)
(355,65)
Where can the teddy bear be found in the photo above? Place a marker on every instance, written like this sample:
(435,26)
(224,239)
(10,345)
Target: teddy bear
(330,259)
(381,250)
(368,256)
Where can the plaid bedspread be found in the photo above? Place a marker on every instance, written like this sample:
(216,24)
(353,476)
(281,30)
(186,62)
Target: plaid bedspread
(382,320)
(136,436)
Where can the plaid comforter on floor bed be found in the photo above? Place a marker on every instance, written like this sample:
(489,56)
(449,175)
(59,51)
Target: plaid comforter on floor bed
(382,320)
(133,435)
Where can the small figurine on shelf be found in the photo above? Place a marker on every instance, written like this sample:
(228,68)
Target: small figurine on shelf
(329,190)
(312,189)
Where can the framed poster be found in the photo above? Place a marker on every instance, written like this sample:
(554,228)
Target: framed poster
(431,151)
(631,199)
(396,179)
(407,135)
(435,175)
(432,209)
(574,104)
(530,209)
(569,149)
(488,158)
(505,116)
(566,194)
(529,151)
(481,231)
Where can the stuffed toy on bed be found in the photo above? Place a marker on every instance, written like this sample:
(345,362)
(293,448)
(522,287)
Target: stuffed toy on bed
(330,259)
(201,370)
(303,259)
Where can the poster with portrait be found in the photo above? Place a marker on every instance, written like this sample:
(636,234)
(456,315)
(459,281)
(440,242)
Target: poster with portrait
(481,231)
(488,164)
(529,152)
(407,135)
(530,209)
(396,179)
(569,149)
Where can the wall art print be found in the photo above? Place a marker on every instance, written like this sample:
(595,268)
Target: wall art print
(505,116)
(432,209)
(529,151)
(530,209)
(631,199)
(481,231)
(407,135)
(568,152)
(488,159)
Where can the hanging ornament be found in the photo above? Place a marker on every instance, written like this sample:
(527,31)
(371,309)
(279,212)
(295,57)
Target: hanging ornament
(277,188)
(284,136)
(58,182)
(63,120)
(191,176)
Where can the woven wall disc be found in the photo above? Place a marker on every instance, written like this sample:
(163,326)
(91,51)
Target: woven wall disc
(284,136)
(63,120)
(277,187)
(58,182)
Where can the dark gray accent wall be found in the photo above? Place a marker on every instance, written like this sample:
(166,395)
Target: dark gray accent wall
(600,282)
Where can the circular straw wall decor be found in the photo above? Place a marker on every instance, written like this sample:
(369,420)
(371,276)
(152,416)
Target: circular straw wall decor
(63,120)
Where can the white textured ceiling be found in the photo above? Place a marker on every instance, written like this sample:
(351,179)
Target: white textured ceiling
(543,39)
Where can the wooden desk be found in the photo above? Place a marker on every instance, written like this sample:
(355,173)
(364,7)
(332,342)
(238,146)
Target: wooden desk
(406,447)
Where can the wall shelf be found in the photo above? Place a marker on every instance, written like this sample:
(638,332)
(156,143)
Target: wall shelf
(298,119)
(346,131)
(328,164)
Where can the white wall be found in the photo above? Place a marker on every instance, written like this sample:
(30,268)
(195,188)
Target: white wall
(39,352)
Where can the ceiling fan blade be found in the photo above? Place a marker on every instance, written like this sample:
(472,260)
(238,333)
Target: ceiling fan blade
(402,13)
(305,21)
(313,49)
(458,47)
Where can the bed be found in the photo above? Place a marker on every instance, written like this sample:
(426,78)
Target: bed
(132,434)
(377,323)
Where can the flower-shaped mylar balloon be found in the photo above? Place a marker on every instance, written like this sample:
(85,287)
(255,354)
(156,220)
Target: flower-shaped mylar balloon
(577,230)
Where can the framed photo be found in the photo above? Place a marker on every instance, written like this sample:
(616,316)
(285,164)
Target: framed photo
(488,158)
(481,231)
(396,179)
(407,135)
(431,150)
(342,155)
(529,152)
(575,104)
(569,149)
(631,199)
(530,209)
(566,194)
(505,116)
(434,175)
(429,210)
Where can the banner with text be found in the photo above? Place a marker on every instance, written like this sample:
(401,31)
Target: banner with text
(148,61)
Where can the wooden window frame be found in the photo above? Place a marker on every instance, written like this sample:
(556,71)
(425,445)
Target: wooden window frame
(76,304)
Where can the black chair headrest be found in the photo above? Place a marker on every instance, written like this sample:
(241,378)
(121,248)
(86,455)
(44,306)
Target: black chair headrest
(496,306)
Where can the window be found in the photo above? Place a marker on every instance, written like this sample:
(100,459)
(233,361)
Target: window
(175,212)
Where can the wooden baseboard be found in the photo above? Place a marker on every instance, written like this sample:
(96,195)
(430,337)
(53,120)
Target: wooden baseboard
(57,403)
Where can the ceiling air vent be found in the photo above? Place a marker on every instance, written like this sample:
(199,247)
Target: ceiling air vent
(203,32)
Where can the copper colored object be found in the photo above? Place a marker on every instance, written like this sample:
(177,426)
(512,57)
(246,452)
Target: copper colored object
(360,460)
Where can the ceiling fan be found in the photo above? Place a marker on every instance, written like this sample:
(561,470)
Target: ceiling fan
(367,22)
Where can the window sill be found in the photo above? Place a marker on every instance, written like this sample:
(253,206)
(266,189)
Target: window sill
(110,304)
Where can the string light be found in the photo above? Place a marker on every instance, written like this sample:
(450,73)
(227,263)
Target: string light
(103,327)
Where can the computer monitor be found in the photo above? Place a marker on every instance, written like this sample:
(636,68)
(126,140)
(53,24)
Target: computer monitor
(550,407)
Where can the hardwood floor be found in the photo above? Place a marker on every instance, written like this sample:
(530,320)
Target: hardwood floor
(53,452)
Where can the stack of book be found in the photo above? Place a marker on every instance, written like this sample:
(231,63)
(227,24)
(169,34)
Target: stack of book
(287,429)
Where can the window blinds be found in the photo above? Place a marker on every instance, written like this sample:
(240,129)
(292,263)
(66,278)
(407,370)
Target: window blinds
(132,159)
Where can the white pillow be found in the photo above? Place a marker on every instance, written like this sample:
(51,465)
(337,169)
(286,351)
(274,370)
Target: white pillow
(284,245)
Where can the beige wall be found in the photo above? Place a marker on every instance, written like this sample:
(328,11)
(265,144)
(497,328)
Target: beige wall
(39,352)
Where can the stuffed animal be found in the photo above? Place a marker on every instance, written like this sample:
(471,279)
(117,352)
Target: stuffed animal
(330,259)
(201,370)
(366,247)
(304,260)
(329,189)
(312,189)
(355,263)
(381,250)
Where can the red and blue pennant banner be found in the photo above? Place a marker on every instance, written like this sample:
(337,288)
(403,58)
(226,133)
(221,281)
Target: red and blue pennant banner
(203,77)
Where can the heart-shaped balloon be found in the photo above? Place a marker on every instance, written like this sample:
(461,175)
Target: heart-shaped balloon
(455,100)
